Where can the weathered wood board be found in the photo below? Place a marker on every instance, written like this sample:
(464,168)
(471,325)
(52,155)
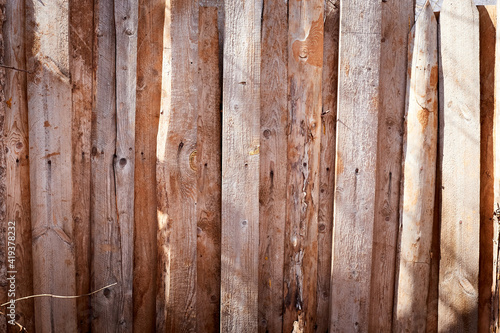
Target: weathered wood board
(176,172)
(50,133)
(273,160)
(240,166)
(209,174)
(327,160)
(419,177)
(356,165)
(460,121)
(5,231)
(17,164)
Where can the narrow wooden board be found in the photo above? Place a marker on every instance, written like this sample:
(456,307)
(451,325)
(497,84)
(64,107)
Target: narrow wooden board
(240,166)
(495,313)
(209,174)
(305,62)
(105,233)
(327,161)
(148,105)
(17,164)
(396,18)
(459,266)
(487,34)
(356,165)
(5,231)
(81,60)
(420,153)
(273,161)
(50,133)
(176,173)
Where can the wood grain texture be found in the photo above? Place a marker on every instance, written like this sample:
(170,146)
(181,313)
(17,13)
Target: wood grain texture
(495,313)
(240,166)
(327,161)
(419,177)
(50,133)
(459,266)
(395,26)
(81,34)
(356,165)
(149,72)
(209,174)
(176,173)
(17,164)
(273,161)
(305,62)
(4,230)
(487,34)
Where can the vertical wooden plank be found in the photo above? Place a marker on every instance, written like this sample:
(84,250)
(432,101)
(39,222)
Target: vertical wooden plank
(50,134)
(305,62)
(459,267)
(356,164)
(4,282)
(419,178)
(495,313)
(209,174)
(17,171)
(273,161)
(487,34)
(176,172)
(327,161)
(81,40)
(240,166)
(396,18)
(148,105)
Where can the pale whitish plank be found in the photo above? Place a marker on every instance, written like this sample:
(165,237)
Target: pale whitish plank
(459,266)
(273,159)
(305,62)
(327,160)
(16,122)
(355,183)
(176,172)
(240,166)
(81,60)
(50,133)
(419,178)
(149,73)
(396,19)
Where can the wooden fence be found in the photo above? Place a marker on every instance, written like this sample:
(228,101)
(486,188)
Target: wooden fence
(248,166)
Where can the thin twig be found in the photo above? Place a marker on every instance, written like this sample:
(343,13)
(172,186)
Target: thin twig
(16,69)
(21,327)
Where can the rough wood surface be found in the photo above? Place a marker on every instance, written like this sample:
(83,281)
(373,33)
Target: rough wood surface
(209,174)
(356,165)
(148,104)
(495,313)
(4,225)
(305,65)
(459,266)
(396,18)
(81,40)
(487,34)
(17,164)
(50,133)
(419,177)
(240,166)
(176,172)
(273,160)
(327,161)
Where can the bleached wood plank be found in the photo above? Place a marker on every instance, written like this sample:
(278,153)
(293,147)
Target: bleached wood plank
(81,40)
(396,18)
(240,166)
(487,33)
(209,174)
(327,160)
(419,177)
(273,160)
(149,72)
(305,68)
(356,164)
(176,171)
(50,133)
(17,164)
(459,266)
